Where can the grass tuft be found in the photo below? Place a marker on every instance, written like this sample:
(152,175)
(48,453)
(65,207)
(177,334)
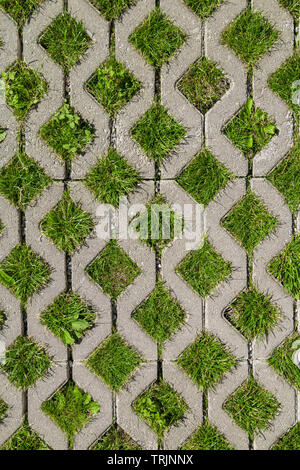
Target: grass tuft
(161,407)
(67,225)
(20,10)
(24,88)
(2,134)
(203,85)
(23,272)
(203,8)
(112,178)
(66,41)
(285,81)
(290,441)
(252,407)
(115,439)
(25,439)
(250,222)
(160,315)
(206,361)
(286,268)
(207,437)
(68,317)
(250,36)
(112,9)
(3,409)
(25,362)
(204,269)
(2,318)
(157,38)
(114,361)
(282,360)
(113,86)
(293,6)
(71,409)
(204,177)
(158,133)
(113,270)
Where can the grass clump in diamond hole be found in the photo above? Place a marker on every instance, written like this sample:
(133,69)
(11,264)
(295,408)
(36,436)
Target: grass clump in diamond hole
(252,407)
(115,439)
(114,361)
(67,133)
(203,85)
(157,133)
(67,225)
(204,177)
(282,360)
(157,39)
(290,441)
(22,180)
(206,361)
(112,9)
(65,40)
(203,8)
(24,88)
(160,315)
(250,222)
(23,272)
(250,36)
(2,134)
(285,81)
(286,178)
(112,178)
(25,439)
(113,86)
(286,268)
(25,362)
(113,270)
(68,317)
(251,130)
(161,407)
(3,409)
(71,409)
(207,437)
(253,314)
(2,318)
(293,6)
(20,10)
(204,269)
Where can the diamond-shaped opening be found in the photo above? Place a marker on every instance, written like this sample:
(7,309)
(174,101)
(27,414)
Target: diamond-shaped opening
(115,439)
(23,272)
(206,361)
(285,82)
(112,85)
(251,130)
(157,38)
(159,225)
(3,409)
(203,8)
(204,269)
(67,225)
(65,40)
(250,222)
(67,133)
(25,439)
(20,10)
(290,441)
(161,407)
(113,270)
(112,9)
(252,407)
(160,315)
(286,268)
(207,437)
(22,180)
(203,84)
(204,177)
(253,314)
(71,409)
(69,317)
(285,359)
(114,361)
(2,318)
(24,88)
(158,133)
(250,36)
(112,178)
(286,178)
(2,227)
(25,362)
(2,134)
